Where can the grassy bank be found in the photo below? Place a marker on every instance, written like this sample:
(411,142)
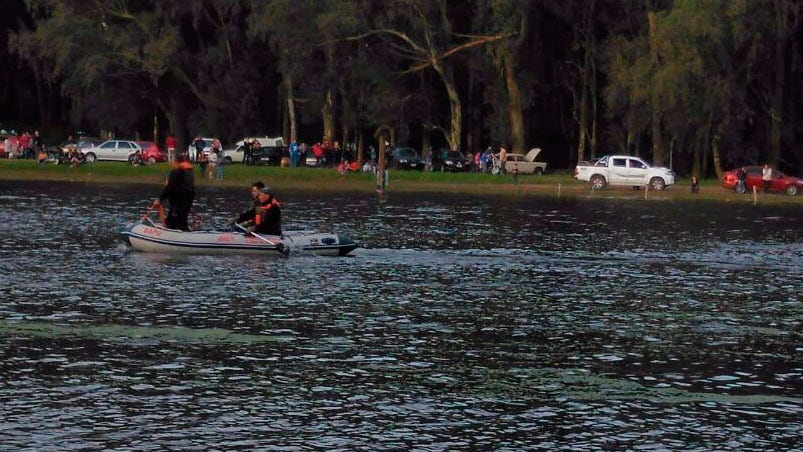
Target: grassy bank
(329,180)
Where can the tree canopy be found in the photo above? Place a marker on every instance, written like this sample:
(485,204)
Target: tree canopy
(696,84)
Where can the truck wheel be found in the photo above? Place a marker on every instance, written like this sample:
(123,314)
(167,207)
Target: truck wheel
(791,190)
(598,182)
(539,172)
(657,184)
(91,157)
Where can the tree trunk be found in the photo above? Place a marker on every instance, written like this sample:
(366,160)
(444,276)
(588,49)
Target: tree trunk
(175,120)
(291,107)
(594,107)
(582,131)
(514,99)
(655,101)
(360,146)
(629,143)
(328,117)
(473,125)
(455,106)
(345,138)
(717,156)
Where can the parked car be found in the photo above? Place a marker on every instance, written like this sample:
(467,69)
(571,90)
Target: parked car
(780,182)
(624,171)
(406,158)
(452,161)
(237,154)
(119,150)
(151,152)
(81,143)
(267,155)
(525,164)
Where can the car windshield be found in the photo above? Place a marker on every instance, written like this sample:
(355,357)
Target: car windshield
(454,155)
(406,153)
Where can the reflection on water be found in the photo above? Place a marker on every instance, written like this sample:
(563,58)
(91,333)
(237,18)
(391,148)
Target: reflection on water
(476,323)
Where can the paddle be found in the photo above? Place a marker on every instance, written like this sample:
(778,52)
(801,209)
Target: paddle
(278,245)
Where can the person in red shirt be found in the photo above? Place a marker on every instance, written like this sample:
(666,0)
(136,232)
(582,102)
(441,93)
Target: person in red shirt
(170,144)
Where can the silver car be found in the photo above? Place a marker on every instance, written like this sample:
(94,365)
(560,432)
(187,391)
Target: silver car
(118,150)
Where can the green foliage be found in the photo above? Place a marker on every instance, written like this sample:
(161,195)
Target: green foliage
(703,68)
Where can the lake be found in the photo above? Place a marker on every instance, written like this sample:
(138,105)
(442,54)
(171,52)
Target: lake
(464,322)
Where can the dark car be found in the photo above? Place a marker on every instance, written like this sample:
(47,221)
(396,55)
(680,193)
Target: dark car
(406,158)
(450,160)
(780,182)
(266,155)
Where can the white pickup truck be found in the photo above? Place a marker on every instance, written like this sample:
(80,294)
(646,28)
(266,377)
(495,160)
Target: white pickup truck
(624,171)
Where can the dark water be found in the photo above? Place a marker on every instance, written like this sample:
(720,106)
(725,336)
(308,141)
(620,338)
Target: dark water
(464,323)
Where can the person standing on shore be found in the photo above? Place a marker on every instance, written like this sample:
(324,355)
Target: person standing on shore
(198,144)
(221,160)
(741,177)
(170,144)
(502,159)
(766,178)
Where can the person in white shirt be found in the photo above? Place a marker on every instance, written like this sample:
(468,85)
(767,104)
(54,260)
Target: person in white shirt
(766,177)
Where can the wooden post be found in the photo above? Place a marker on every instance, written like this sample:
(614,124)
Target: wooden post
(380,169)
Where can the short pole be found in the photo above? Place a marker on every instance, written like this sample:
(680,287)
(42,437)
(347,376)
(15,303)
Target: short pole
(558,189)
(755,195)
(646,189)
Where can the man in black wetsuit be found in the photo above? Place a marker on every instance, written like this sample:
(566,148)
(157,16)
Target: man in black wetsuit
(179,191)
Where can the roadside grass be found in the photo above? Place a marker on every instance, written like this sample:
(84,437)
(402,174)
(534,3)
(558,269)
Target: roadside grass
(555,184)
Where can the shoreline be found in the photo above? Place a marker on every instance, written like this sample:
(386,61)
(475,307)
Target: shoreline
(330,181)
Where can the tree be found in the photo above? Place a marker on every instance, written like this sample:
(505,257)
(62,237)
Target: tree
(424,35)
(508,19)
(172,56)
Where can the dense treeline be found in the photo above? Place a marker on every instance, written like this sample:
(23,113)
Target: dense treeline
(698,84)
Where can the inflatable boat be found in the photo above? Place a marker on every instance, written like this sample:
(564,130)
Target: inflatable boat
(150,237)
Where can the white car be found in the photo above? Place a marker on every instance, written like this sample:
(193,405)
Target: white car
(207,148)
(118,150)
(525,164)
(624,171)
(236,155)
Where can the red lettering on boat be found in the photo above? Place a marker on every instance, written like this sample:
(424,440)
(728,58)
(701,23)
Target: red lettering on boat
(152,231)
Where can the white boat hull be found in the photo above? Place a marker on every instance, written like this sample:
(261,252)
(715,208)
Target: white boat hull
(151,238)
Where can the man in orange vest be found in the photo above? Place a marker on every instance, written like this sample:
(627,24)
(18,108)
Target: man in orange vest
(268,218)
(248,215)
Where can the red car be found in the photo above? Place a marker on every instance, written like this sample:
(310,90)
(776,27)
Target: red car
(151,152)
(780,181)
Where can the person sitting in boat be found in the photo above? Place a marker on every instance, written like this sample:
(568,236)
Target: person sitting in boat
(268,217)
(179,190)
(248,215)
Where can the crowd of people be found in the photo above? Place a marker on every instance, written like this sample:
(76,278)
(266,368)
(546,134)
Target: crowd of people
(25,145)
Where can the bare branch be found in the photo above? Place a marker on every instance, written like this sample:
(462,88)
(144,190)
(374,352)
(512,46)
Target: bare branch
(389,31)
